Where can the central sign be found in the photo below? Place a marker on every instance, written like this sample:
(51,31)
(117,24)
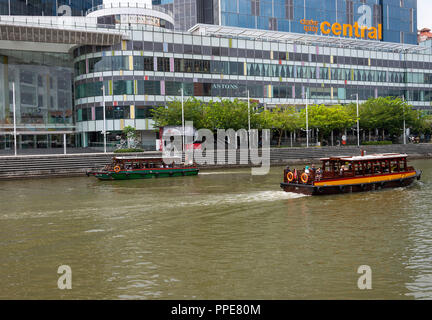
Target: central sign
(346,30)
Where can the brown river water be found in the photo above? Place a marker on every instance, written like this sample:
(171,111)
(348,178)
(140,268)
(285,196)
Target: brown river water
(221,235)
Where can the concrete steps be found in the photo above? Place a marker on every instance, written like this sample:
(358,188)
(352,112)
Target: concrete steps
(78,164)
(55,165)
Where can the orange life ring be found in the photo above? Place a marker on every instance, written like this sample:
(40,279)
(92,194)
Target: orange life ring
(290,176)
(117,169)
(304,178)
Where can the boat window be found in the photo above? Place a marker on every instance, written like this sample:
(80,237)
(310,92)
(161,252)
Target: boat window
(385,166)
(395,166)
(376,167)
(326,166)
(358,169)
(368,167)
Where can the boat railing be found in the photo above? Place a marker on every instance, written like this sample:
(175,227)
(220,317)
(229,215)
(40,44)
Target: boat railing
(297,176)
(313,176)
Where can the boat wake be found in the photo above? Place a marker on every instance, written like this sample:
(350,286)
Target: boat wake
(242,198)
(123,209)
(216,173)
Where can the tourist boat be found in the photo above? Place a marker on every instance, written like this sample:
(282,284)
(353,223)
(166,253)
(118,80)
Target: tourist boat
(125,168)
(352,174)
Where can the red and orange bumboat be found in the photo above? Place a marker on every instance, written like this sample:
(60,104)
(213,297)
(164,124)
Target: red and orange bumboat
(352,174)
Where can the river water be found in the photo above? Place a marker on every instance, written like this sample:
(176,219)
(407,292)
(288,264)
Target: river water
(221,235)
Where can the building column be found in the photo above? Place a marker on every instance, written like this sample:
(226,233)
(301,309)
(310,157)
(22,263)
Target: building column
(84,140)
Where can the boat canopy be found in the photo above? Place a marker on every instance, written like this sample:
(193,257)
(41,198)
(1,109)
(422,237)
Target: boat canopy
(137,158)
(372,157)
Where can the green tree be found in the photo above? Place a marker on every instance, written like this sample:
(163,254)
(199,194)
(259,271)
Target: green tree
(227,114)
(171,115)
(131,135)
(387,114)
(213,115)
(280,120)
(326,119)
(130,132)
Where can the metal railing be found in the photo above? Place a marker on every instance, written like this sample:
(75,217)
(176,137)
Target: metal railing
(55,22)
(127,5)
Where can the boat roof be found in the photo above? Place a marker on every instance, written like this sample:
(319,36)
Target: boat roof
(377,156)
(144,158)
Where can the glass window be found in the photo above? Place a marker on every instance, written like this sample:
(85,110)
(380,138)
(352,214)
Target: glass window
(122,87)
(120,63)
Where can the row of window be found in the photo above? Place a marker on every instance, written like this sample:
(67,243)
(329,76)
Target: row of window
(140,63)
(282,91)
(118,112)
(255,54)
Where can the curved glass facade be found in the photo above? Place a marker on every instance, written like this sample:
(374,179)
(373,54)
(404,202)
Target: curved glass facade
(151,68)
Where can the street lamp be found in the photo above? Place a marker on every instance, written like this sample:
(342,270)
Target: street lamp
(183,120)
(14,118)
(358,122)
(104,118)
(404,122)
(249,122)
(307,122)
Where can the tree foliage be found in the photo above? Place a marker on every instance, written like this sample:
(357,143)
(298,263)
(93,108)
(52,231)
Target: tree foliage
(223,114)
(388,114)
(280,120)
(327,119)
(382,113)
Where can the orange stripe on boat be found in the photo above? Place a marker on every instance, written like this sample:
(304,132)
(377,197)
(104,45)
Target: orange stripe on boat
(371,179)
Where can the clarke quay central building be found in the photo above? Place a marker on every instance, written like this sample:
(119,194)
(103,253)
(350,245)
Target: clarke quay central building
(58,58)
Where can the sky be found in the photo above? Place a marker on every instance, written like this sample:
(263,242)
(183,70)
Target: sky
(424,10)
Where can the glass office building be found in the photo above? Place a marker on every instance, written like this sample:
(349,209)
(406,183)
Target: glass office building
(47,7)
(398,17)
(188,13)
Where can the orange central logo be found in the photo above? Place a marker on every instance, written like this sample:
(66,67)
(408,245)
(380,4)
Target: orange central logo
(346,30)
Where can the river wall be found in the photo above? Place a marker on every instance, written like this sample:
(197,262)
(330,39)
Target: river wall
(78,164)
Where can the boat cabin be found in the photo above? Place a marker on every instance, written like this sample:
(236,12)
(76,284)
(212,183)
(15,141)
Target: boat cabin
(352,167)
(138,163)
(364,165)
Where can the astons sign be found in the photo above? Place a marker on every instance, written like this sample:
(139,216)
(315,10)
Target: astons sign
(346,30)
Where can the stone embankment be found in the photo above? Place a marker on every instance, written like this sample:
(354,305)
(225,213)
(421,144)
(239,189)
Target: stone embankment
(78,164)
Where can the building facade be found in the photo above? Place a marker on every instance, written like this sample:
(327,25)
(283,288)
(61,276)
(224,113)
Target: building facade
(188,13)
(398,18)
(47,7)
(147,64)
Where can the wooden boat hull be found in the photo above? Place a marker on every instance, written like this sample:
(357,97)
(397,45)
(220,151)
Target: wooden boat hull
(145,174)
(325,189)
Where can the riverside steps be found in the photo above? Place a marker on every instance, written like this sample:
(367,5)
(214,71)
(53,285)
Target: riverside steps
(28,166)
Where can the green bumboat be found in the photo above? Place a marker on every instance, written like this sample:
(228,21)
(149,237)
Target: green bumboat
(127,168)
